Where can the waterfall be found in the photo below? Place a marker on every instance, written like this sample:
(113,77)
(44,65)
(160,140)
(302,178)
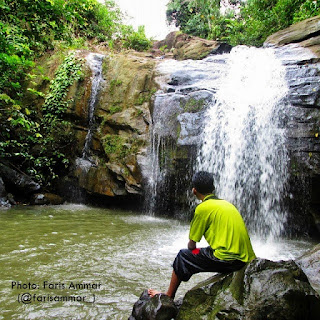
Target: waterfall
(95,62)
(83,164)
(243,141)
(238,134)
(154,177)
(180,82)
(158,173)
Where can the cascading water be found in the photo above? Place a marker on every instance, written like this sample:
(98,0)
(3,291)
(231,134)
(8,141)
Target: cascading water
(158,171)
(86,161)
(243,140)
(95,62)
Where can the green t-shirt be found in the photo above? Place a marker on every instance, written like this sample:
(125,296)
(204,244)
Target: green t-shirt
(224,229)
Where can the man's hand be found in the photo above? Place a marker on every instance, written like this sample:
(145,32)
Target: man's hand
(192,245)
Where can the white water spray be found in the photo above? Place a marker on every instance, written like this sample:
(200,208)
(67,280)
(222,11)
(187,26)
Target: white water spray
(243,142)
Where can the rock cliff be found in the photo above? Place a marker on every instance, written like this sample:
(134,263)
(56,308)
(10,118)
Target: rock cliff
(299,47)
(121,119)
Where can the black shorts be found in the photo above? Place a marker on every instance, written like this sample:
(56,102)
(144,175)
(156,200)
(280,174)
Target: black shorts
(189,262)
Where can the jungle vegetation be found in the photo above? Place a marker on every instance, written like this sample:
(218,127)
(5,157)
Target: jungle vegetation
(35,140)
(247,22)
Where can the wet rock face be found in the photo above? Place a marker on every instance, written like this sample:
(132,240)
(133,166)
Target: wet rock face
(299,49)
(261,290)
(3,195)
(178,120)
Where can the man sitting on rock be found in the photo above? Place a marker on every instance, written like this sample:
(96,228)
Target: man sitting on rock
(224,229)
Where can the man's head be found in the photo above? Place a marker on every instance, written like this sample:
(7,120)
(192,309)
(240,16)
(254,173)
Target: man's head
(202,182)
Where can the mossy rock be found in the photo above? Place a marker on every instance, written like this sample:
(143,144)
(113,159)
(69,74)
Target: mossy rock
(128,82)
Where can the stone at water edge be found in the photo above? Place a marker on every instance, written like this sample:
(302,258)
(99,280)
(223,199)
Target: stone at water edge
(46,198)
(159,307)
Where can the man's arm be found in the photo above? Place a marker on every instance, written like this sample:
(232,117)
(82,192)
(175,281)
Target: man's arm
(192,245)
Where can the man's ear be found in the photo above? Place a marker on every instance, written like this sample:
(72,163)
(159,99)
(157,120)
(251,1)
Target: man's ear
(194,191)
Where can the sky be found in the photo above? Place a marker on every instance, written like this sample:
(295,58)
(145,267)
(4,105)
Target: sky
(150,13)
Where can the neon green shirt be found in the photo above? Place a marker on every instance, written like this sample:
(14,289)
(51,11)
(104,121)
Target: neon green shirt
(224,229)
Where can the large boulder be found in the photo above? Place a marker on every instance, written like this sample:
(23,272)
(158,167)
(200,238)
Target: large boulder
(111,138)
(109,108)
(46,199)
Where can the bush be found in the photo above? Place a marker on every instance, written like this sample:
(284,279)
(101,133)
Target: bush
(136,40)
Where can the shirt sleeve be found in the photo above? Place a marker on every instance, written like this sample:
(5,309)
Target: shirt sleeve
(197,226)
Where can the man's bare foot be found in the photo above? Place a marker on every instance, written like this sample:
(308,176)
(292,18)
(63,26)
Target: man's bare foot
(152,292)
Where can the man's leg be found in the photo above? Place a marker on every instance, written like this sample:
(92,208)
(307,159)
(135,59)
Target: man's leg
(173,287)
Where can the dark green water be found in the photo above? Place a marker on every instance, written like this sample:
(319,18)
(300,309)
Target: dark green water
(97,259)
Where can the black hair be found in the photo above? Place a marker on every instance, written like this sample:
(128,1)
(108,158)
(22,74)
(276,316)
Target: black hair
(202,181)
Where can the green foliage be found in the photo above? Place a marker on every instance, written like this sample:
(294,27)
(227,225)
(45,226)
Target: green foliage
(308,9)
(113,84)
(44,21)
(40,145)
(193,105)
(28,28)
(114,146)
(15,59)
(262,18)
(136,40)
(119,147)
(178,13)
(254,22)
(55,105)
(115,108)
